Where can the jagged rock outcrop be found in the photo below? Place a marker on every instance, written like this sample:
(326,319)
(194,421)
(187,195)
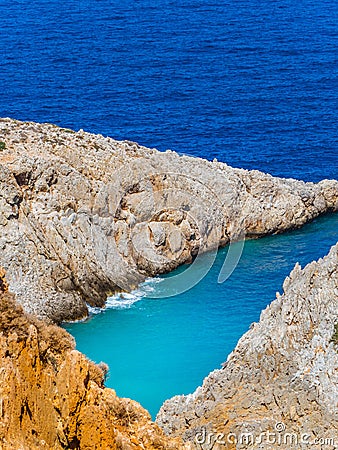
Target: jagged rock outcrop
(282,378)
(82,216)
(52,396)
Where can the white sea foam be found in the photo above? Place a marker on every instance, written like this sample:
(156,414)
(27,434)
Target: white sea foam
(123,300)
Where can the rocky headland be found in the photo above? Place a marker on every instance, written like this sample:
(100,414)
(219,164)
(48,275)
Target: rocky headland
(282,378)
(83,216)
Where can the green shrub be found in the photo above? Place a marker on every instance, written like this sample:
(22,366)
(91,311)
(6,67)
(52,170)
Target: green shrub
(2,145)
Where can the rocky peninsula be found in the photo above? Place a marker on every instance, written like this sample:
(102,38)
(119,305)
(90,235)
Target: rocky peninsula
(83,216)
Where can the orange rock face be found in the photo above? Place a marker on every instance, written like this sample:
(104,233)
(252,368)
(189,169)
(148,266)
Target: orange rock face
(53,397)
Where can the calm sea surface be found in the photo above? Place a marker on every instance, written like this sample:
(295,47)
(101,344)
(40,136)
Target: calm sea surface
(252,83)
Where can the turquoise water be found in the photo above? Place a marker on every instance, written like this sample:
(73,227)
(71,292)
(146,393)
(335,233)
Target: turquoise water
(160,347)
(251,83)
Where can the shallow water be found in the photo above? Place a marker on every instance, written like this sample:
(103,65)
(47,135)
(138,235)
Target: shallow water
(157,348)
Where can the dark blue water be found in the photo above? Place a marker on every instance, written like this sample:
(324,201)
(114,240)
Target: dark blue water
(251,82)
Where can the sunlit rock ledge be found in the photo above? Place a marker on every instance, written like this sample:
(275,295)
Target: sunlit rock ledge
(83,216)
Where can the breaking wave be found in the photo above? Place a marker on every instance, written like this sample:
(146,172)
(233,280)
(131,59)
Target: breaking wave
(123,300)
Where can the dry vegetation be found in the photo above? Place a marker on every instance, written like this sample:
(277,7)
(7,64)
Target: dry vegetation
(14,320)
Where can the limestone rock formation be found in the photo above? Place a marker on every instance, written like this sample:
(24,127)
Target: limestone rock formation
(52,396)
(83,216)
(282,378)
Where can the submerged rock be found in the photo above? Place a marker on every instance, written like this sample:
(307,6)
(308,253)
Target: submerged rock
(279,387)
(83,216)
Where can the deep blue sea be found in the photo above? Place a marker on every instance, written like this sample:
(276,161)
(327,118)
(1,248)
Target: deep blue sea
(253,83)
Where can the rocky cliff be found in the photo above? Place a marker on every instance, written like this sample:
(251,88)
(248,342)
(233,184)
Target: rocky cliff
(52,396)
(279,387)
(82,216)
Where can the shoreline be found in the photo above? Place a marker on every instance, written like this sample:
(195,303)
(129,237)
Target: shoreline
(218,332)
(295,332)
(93,216)
(83,216)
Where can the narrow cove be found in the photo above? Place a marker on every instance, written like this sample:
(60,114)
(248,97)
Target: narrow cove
(160,347)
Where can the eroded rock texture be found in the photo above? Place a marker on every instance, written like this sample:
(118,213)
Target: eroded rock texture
(52,396)
(281,378)
(82,216)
